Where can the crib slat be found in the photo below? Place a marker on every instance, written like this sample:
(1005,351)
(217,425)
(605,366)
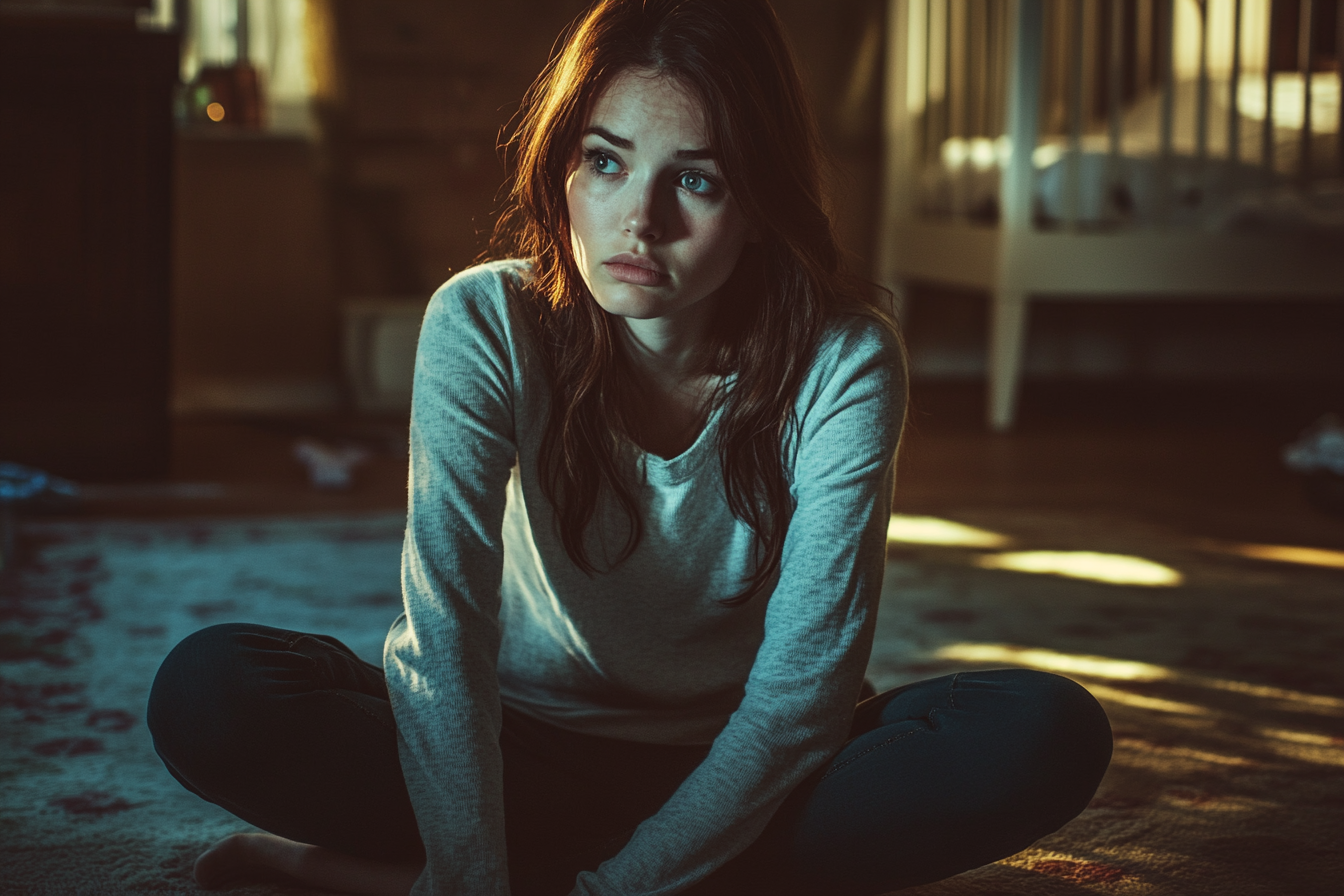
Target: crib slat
(1305,9)
(956,68)
(970,68)
(1004,22)
(993,75)
(1267,126)
(947,72)
(1202,91)
(967,69)
(1023,113)
(998,70)
(1167,53)
(978,21)
(1073,160)
(930,132)
(982,57)
(1143,45)
(1167,61)
(1094,55)
(1233,83)
(1339,70)
(992,55)
(1115,76)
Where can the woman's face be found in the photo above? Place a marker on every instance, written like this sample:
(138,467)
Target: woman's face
(653,228)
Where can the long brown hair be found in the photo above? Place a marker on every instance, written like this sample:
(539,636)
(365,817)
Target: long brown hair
(731,55)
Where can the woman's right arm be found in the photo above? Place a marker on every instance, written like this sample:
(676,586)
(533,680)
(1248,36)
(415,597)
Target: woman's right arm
(440,657)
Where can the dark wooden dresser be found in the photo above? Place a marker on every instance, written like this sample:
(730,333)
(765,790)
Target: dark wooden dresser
(86,135)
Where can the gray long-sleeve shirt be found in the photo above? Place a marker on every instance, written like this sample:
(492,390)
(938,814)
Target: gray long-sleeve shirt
(495,610)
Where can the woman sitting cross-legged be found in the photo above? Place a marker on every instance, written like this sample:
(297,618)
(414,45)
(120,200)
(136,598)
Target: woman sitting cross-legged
(652,460)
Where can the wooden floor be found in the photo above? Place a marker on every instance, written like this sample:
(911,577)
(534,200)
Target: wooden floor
(1203,460)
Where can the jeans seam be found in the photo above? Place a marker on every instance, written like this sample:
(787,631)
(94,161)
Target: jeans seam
(294,639)
(313,664)
(362,709)
(877,746)
(952,692)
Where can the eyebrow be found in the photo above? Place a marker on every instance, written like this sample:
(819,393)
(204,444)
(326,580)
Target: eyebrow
(625,143)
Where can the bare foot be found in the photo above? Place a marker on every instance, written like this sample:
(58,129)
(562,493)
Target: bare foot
(246,858)
(266,858)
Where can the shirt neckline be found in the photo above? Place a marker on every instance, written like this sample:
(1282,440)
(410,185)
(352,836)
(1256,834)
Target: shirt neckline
(672,470)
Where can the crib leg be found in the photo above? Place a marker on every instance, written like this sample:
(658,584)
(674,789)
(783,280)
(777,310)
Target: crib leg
(1007,335)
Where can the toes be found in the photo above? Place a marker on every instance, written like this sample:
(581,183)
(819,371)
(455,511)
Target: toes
(222,864)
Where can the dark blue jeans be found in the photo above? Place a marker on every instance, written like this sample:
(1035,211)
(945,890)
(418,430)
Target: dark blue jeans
(294,734)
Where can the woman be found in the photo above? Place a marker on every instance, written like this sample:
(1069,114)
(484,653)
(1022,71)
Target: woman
(651,468)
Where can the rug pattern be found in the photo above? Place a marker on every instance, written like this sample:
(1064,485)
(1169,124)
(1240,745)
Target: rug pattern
(84,622)
(1226,694)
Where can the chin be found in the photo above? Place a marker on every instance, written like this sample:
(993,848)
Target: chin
(630,301)
(632,310)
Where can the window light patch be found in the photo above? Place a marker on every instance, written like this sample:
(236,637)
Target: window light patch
(1053,661)
(1280,553)
(1115,669)
(1114,569)
(906,529)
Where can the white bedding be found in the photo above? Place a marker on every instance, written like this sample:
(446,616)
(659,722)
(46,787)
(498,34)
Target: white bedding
(1138,188)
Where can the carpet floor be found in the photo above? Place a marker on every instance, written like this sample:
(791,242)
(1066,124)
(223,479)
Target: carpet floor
(1222,678)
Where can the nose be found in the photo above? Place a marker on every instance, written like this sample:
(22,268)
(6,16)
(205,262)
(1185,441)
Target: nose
(645,218)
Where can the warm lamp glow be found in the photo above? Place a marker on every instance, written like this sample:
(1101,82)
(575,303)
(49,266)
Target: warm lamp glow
(1114,569)
(933,530)
(215,112)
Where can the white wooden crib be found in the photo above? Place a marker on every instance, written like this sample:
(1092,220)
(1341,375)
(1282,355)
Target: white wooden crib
(1109,149)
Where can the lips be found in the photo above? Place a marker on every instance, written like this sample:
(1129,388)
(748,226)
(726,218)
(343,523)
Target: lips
(637,269)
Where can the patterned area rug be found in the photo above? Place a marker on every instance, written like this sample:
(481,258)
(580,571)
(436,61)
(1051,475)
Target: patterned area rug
(87,616)
(1223,681)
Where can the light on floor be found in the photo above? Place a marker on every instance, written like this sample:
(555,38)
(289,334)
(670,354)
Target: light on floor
(1281,553)
(1143,701)
(1114,569)
(1053,661)
(1109,668)
(905,529)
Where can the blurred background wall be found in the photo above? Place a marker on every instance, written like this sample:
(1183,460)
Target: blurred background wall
(390,183)
(331,156)
(398,172)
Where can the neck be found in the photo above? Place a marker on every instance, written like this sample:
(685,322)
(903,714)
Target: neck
(667,403)
(669,350)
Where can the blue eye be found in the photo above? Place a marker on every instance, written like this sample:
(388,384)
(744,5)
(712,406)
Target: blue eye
(695,182)
(600,162)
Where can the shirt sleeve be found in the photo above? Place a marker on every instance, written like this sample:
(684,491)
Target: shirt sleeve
(800,695)
(440,656)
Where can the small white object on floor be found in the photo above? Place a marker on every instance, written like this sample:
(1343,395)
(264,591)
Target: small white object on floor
(330,467)
(1320,447)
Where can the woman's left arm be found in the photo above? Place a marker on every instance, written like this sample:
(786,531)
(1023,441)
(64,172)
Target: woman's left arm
(800,696)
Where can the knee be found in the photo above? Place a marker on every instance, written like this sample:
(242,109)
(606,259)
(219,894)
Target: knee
(1068,716)
(198,684)
(1063,735)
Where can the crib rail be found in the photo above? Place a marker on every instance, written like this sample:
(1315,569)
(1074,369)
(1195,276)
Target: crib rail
(1209,94)
(1061,106)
